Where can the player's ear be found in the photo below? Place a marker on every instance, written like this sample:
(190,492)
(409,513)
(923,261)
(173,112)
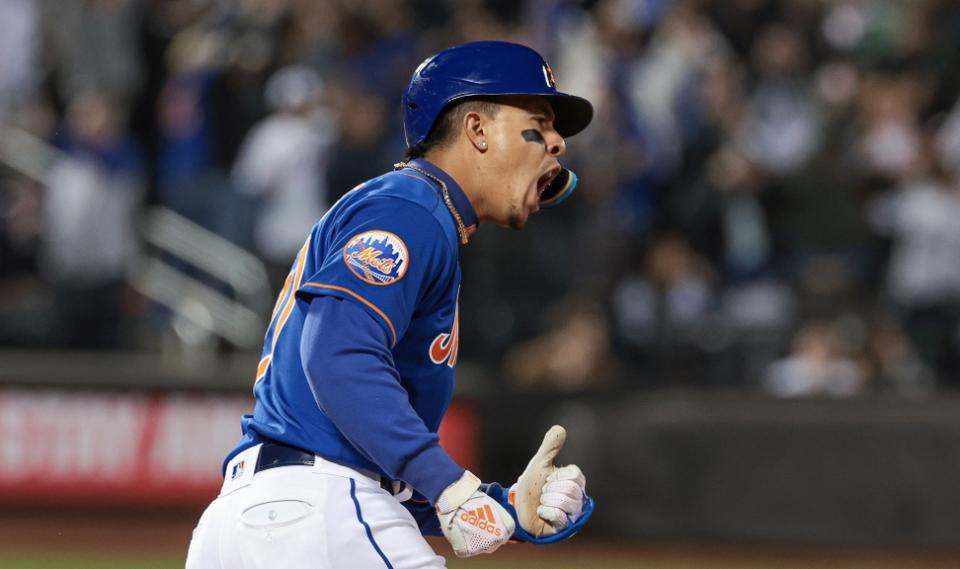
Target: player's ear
(473,129)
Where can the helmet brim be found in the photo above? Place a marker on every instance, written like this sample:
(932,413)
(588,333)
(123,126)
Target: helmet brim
(573,113)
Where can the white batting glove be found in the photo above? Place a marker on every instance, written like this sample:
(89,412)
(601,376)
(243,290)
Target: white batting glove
(548,498)
(472,521)
(561,501)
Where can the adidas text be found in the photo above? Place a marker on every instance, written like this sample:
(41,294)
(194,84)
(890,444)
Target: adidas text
(474,520)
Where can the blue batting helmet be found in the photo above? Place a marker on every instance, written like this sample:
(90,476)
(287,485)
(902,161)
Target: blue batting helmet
(485,68)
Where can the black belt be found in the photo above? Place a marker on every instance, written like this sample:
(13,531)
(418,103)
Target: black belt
(274,454)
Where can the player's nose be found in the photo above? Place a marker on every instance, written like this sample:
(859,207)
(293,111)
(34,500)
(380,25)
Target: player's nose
(556,145)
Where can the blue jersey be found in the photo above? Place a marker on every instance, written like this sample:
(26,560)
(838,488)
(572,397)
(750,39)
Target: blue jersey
(382,266)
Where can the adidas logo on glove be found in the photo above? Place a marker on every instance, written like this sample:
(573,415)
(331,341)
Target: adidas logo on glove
(468,521)
(483,519)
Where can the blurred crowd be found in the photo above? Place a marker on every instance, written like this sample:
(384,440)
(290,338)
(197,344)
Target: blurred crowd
(770,190)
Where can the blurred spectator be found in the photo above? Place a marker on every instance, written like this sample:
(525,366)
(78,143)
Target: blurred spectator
(183,113)
(187,178)
(925,262)
(363,149)
(282,164)
(890,137)
(826,241)
(25,310)
(20,226)
(92,46)
(380,46)
(924,273)
(248,39)
(730,215)
(756,320)
(24,307)
(781,127)
(893,362)
(815,366)
(661,315)
(19,54)
(311,35)
(91,198)
(573,355)
(682,43)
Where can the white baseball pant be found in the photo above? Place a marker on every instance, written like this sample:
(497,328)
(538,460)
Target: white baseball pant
(324,516)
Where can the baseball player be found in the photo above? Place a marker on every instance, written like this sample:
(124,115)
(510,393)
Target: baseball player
(339,464)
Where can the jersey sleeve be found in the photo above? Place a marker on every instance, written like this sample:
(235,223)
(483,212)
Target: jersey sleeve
(387,255)
(353,379)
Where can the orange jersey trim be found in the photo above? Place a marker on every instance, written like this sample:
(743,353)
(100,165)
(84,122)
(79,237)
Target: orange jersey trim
(282,295)
(366,302)
(262,367)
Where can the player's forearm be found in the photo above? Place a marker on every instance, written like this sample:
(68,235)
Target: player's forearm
(351,373)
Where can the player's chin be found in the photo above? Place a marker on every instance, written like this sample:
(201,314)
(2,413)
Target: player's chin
(518,219)
(520,213)
(517,222)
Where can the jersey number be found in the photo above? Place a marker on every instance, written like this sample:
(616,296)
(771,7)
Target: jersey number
(282,310)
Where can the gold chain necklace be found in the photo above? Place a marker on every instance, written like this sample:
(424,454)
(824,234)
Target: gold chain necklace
(461,229)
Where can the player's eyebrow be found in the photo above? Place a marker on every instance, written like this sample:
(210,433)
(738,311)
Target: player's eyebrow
(543,117)
(543,111)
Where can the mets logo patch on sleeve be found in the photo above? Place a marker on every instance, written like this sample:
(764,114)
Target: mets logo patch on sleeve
(377,257)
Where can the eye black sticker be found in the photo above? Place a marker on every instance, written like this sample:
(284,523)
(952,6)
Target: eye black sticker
(532,135)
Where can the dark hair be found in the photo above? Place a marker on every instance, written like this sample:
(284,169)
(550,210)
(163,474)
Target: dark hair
(445,129)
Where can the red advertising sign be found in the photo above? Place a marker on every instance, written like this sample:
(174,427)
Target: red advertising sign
(129,448)
(100,448)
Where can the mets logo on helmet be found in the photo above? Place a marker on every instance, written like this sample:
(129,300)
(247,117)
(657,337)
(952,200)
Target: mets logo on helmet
(377,257)
(548,76)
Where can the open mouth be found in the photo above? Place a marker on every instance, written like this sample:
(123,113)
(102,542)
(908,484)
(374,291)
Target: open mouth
(544,181)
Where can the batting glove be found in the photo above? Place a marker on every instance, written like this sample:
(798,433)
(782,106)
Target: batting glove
(472,521)
(548,498)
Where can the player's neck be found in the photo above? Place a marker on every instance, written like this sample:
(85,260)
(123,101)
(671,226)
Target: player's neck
(467,175)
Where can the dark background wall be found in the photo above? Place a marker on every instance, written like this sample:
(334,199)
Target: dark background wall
(726,467)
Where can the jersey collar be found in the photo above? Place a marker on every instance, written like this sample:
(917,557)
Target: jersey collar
(459,198)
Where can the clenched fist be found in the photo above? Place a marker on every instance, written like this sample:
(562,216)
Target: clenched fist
(548,498)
